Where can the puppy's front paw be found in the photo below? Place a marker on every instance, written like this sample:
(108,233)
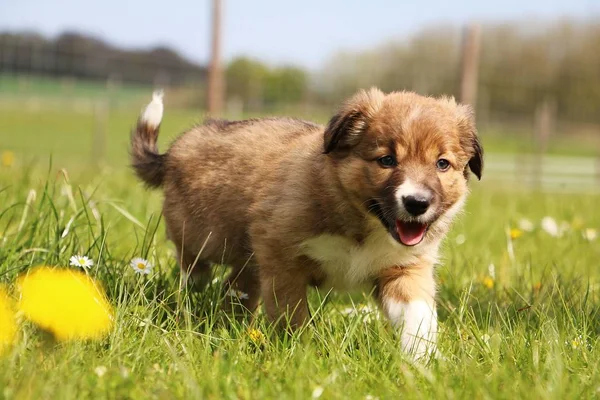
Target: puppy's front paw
(417,322)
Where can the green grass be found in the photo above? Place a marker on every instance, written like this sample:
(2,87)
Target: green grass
(42,115)
(34,133)
(568,143)
(534,334)
(24,87)
(69,136)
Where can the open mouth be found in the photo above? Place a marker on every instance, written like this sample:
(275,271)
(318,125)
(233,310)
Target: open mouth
(410,233)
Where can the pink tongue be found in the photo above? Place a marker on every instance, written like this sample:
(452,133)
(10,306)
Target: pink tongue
(411,233)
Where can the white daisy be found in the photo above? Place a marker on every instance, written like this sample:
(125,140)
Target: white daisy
(81,261)
(317,392)
(100,370)
(124,372)
(526,225)
(550,226)
(367,309)
(141,266)
(577,342)
(365,312)
(485,338)
(492,271)
(590,234)
(349,311)
(238,294)
(364,309)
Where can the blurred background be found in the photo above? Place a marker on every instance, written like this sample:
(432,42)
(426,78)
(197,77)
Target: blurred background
(74,75)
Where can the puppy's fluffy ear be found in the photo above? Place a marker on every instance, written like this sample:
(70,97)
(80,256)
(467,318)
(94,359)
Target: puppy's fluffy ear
(345,128)
(470,140)
(476,162)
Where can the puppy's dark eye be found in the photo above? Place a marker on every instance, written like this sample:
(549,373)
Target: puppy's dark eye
(387,161)
(442,164)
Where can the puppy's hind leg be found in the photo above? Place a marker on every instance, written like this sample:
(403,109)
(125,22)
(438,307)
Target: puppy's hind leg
(195,272)
(242,289)
(284,293)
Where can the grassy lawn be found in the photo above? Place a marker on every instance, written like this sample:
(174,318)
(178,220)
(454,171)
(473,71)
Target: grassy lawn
(33,134)
(525,328)
(518,308)
(52,88)
(47,115)
(69,136)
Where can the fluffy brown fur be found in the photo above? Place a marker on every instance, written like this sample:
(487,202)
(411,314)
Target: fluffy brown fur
(289,204)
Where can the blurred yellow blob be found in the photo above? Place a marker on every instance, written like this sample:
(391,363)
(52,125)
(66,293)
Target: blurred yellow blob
(68,303)
(256,336)
(8,325)
(488,282)
(8,158)
(515,233)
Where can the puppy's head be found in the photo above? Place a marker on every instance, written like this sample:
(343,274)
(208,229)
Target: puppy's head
(405,159)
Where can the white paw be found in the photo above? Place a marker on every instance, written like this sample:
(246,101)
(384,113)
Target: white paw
(417,321)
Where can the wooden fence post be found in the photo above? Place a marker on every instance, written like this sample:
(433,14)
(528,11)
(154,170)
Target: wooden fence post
(215,73)
(470,65)
(544,123)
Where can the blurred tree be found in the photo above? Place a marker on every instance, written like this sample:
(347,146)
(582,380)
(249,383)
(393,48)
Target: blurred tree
(285,85)
(522,65)
(257,85)
(245,79)
(75,55)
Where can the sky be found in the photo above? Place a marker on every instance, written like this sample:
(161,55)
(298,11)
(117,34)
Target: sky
(301,32)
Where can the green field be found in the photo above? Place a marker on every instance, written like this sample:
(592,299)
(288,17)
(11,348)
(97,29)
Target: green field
(532,330)
(39,117)
(526,327)
(24,87)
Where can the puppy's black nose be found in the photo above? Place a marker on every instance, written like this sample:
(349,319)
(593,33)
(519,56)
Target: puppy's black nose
(415,205)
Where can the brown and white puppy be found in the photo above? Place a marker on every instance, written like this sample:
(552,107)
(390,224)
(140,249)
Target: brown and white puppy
(364,201)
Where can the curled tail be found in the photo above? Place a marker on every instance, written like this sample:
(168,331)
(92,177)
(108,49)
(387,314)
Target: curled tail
(148,163)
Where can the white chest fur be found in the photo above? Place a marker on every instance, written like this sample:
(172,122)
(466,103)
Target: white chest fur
(349,265)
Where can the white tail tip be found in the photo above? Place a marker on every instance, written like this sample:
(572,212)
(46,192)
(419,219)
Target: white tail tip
(152,114)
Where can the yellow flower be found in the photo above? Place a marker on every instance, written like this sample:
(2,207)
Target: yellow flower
(8,325)
(464,334)
(256,336)
(488,282)
(515,233)
(8,158)
(537,286)
(67,303)
(577,342)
